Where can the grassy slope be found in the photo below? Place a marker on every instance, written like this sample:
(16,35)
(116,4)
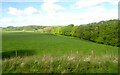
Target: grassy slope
(36,44)
(52,44)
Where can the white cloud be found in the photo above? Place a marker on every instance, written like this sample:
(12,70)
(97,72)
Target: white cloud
(99,13)
(30,10)
(7,20)
(114,2)
(89,3)
(50,7)
(14,11)
(26,11)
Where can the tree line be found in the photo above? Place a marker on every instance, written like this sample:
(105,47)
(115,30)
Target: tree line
(104,32)
(23,28)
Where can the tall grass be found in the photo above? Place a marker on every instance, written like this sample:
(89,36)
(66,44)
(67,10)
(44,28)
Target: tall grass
(72,63)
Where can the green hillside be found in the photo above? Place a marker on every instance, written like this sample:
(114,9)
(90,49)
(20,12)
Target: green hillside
(51,44)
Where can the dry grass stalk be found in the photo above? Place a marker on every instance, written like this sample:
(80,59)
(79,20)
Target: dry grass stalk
(92,54)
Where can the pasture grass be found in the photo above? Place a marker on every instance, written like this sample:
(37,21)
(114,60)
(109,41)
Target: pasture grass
(56,45)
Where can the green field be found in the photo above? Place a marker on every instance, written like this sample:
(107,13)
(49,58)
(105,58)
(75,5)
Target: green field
(31,46)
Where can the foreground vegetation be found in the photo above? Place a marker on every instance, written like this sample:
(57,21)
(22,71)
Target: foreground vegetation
(73,63)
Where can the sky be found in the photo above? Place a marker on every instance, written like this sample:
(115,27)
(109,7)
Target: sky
(56,12)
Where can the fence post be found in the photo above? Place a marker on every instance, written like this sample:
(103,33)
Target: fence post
(16,53)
